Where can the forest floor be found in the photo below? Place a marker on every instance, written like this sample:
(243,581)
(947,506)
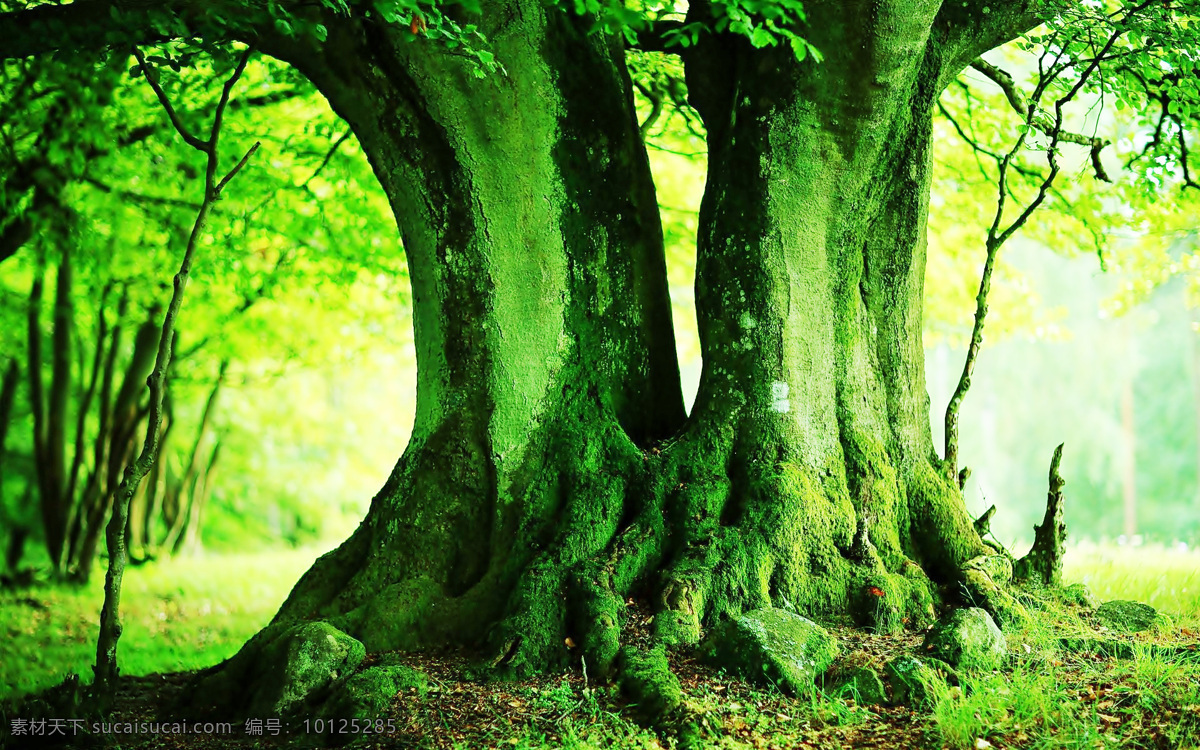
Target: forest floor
(1047,696)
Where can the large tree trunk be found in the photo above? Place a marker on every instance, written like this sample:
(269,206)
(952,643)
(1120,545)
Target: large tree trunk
(807,476)
(542,326)
(550,474)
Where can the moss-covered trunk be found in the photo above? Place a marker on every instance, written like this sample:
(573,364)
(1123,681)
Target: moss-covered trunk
(806,477)
(551,474)
(542,328)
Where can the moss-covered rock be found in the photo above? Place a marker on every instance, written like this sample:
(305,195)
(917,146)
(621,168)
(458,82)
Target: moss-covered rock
(1079,595)
(367,696)
(863,684)
(771,647)
(913,681)
(1127,617)
(308,660)
(967,638)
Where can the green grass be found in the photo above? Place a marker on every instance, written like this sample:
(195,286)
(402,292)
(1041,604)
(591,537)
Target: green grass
(1167,579)
(190,613)
(179,614)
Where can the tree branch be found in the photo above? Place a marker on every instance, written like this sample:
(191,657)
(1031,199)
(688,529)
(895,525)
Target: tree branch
(1042,121)
(98,24)
(997,236)
(968,28)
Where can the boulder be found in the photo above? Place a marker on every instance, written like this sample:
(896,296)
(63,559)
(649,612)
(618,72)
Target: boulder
(771,647)
(1126,617)
(863,684)
(367,697)
(967,638)
(912,680)
(309,659)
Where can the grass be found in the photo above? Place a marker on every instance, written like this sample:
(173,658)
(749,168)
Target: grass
(186,614)
(1168,579)
(180,614)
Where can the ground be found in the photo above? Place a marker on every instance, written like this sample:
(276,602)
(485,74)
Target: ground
(1046,696)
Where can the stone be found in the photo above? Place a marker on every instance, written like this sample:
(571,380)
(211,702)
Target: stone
(1079,595)
(1126,617)
(863,684)
(771,647)
(966,638)
(912,681)
(310,659)
(367,696)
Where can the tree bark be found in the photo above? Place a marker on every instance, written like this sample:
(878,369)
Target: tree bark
(807,475)
(542,323)
(551,474)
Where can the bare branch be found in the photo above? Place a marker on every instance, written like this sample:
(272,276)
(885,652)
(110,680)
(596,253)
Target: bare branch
(1042,121)
(996,235)
(106,672)
(152,78)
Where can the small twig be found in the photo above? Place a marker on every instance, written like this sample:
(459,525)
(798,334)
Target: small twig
(152,78)
(328,158)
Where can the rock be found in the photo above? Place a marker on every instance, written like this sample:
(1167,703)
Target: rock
(863,684)
(967,638)
(309,659)
(856,676)
(913,682)
(771,647)
(1079,595)
(367,696)
(1126,617)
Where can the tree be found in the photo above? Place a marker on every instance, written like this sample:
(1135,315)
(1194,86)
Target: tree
(552,473)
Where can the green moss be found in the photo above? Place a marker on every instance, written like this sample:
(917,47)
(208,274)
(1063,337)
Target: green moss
(368,695)
(771,647)
(1127,617)
(943,533)
(647,681)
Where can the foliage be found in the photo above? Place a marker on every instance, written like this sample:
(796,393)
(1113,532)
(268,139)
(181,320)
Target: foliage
(278,258)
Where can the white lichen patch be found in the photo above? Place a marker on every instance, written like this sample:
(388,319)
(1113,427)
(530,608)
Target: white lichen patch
(779,398)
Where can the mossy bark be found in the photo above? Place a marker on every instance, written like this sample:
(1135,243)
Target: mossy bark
(551,474)
(542,322)
(806,477)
